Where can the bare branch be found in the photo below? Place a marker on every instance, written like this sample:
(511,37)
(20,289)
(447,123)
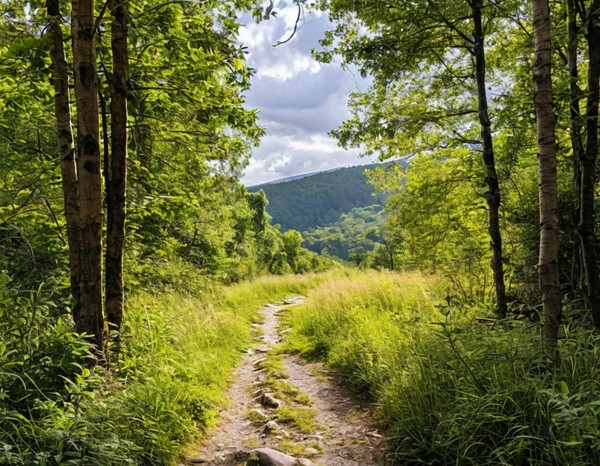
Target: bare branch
(291,36)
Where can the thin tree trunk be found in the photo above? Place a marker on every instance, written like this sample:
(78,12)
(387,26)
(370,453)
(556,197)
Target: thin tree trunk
(64,129)
(588,165)
(115,237)
(544,110)
(493,194)
(91,320)
(576,126)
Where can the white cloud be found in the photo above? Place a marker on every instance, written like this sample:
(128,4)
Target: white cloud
(288,69)
(279,163)
(316,143)
(285,155)
(299,99)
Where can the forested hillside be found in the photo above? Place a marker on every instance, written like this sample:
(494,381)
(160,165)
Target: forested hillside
(339,212)
(318,200)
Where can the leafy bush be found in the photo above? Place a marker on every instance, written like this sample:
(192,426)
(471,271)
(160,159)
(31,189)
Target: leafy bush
(45,387)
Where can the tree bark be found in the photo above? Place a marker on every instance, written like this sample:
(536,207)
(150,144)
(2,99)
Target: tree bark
(91,320)
(116,184)
(492,196)
(588,165)
(64,129)
(544,110)
(575,128)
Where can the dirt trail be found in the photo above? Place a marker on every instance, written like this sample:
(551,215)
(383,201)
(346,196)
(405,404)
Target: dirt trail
(345,434)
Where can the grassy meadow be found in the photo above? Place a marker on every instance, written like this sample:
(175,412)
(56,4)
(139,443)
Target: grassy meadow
(178,352)
(450,390)
(446,388)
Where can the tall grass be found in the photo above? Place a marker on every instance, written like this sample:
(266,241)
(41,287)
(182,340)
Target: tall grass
(178,351)
(449,390)
(178,355)
(363,324)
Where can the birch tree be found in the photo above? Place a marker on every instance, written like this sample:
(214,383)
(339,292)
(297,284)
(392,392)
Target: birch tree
(548,204)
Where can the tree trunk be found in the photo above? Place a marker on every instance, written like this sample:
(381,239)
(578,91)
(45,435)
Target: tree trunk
(91,319)
(588,165)
(544,110)
(493,194)
(576,126)
(64,129)
(116,184)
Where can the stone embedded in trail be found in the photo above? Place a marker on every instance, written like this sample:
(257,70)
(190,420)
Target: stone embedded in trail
(311,451)
(200,459)
(304,462)
(271,426)
(270,401)
(270,457)
(258,362)
(266,399)
(259,415)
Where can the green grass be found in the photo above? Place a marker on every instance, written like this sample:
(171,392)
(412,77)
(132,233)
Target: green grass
(299,417)
(180,344)
(179,352)
(364,324)
(448,390)
(285,390)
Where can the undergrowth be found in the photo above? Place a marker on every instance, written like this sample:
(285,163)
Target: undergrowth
(178,351)
(448,389)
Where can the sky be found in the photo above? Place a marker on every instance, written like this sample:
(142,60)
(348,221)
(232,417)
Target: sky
(299,100)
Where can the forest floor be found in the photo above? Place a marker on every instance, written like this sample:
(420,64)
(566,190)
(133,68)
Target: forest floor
(282,402)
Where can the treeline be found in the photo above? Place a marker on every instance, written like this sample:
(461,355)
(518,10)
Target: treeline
(351,237)
(122,131)
(496,104)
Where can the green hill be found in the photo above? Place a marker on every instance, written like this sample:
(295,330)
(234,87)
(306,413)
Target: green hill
(320,199)
(351,237)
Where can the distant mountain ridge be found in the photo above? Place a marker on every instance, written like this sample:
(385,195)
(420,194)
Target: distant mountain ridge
(310,201)
(287,179)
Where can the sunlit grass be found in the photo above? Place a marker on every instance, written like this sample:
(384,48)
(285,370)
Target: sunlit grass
(178,354)
(365,324)
(448,389)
